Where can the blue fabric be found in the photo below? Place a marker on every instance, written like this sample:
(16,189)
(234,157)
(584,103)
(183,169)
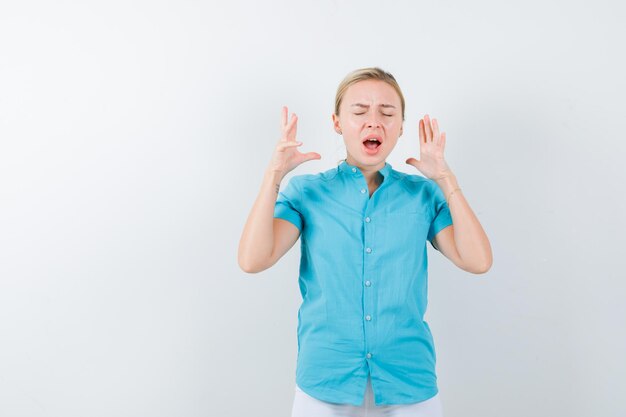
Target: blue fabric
(364,281)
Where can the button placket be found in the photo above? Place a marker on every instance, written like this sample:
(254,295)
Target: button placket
(368,296)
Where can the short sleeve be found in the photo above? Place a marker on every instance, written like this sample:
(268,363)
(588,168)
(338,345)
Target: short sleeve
(442,217)
(288,204)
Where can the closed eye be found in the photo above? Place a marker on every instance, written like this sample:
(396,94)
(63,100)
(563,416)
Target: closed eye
(388,115)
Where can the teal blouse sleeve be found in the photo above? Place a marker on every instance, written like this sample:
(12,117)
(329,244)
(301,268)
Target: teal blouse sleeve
(442,217)
(288,205)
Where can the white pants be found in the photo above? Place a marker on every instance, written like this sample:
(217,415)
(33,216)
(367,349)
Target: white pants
(306,406)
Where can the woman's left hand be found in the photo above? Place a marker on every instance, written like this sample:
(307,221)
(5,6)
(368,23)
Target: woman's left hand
(432,143)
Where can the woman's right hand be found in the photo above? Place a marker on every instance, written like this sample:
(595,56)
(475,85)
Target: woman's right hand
(286,157)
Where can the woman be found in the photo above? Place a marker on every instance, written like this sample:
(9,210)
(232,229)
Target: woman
(363,346)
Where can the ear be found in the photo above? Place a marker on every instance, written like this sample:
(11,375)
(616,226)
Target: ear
(336,124)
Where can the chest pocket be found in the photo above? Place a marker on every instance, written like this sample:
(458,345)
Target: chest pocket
(404,228)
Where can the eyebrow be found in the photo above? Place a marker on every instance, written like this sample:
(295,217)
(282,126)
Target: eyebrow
(367,105)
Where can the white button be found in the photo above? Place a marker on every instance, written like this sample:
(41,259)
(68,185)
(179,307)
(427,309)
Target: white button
(368,250)
(353,169)
(368,317)
(362,190)
(367,219)
(367,283)
(369,355)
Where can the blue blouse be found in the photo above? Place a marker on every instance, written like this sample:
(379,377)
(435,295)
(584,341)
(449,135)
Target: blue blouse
(364,281)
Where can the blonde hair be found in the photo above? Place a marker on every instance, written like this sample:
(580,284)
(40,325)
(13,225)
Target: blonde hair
(371,73)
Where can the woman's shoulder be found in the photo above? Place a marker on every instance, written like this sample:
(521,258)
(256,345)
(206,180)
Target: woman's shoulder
(410,178)
(413,182)
(321,176)
(415,178)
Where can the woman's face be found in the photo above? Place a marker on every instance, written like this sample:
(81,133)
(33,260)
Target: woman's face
(369,108)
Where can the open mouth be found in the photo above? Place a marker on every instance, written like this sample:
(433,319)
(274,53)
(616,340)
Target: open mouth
(371,145)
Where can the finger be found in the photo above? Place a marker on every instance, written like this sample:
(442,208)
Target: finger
(312,155)
(436,136)
(421,131)
(289,133)
(429,132)
(294,120)
(413,161)
(443,140)
(284,117)
(285,145)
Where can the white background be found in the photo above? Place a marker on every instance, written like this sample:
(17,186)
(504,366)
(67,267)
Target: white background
(133,138)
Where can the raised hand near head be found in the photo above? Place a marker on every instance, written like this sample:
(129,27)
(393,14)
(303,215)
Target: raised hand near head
(286,157)
(432,143)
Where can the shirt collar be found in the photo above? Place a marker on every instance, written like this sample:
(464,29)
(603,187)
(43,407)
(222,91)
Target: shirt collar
(354,170)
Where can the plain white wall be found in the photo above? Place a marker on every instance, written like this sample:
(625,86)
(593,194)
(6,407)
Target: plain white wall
(133,138)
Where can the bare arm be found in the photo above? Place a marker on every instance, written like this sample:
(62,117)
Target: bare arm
(465,243)
(266,239)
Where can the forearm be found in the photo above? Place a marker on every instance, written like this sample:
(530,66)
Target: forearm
(470,239)
(257,239)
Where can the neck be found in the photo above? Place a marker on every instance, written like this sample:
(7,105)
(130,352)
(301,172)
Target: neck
(372,178)
(371,174)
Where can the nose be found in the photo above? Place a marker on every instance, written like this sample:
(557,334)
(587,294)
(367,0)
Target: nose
(373,121)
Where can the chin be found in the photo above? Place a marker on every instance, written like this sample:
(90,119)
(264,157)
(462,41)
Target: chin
(369,160)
